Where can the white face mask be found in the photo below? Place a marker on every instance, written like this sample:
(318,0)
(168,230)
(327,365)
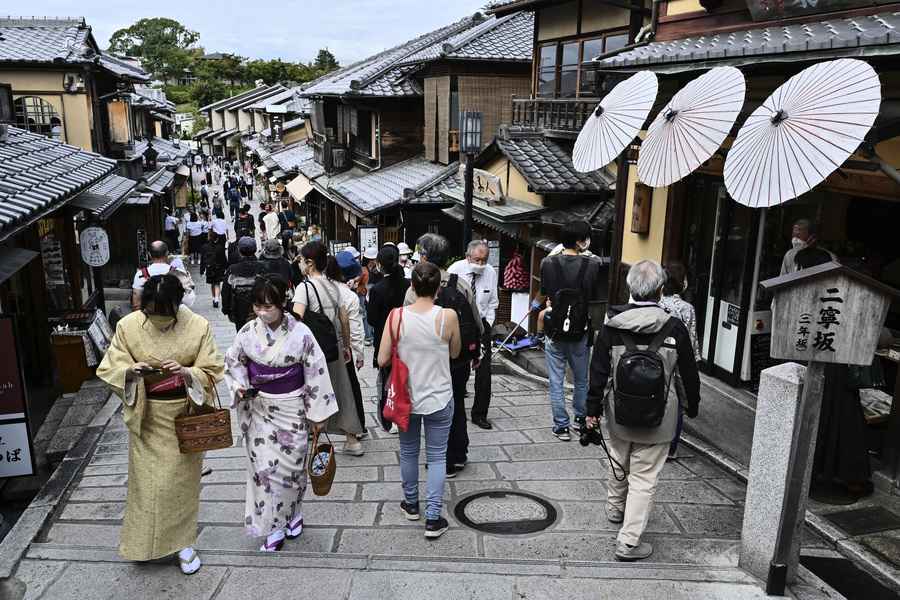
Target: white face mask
(269,316)
(797,243)
(583,247)
(477,269)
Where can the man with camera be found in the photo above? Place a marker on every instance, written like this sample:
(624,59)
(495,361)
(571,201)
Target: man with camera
(636,357)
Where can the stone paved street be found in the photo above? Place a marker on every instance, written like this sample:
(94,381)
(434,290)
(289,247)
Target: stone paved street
(358,533)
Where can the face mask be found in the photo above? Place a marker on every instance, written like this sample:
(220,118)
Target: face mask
(477,269)
(161,321)
(797,243)
(269,316)
(583,247)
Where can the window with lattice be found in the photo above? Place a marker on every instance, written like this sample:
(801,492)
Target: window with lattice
(37,115)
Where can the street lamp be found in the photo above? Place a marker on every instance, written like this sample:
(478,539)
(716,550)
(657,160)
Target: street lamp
(470,124)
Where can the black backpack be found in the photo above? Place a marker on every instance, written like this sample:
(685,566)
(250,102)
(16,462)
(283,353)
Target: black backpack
(569,318)
(241,303)
(640,387)
(321,327)
(449,296)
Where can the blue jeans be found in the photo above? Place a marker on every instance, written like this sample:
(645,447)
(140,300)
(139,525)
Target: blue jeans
(437,429)
(559,354)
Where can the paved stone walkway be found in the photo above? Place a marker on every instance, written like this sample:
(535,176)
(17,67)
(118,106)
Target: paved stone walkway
(356,543)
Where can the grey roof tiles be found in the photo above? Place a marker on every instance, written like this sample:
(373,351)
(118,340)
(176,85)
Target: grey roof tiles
(45,40)
(291,157)
(371,192)
(835,34)
(105,196)
(37,173)
(508,38)
(547,166)
(381,74)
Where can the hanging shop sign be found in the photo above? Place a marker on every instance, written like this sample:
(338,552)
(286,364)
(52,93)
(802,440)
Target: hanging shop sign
(368,237)
(94,246)
(485,186)
(16,457)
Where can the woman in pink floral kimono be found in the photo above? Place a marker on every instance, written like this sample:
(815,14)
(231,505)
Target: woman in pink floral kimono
(279,381)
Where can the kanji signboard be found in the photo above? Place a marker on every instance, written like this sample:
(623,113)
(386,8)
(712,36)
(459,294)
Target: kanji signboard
(15,439)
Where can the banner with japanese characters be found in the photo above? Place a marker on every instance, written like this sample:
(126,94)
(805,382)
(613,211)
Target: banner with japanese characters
(15,441)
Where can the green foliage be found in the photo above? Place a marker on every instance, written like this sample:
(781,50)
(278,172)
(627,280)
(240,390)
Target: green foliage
(325,61)
(200,123)
(179,94)
(162,44)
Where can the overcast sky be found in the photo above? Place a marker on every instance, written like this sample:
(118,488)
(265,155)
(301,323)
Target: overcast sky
(289,29)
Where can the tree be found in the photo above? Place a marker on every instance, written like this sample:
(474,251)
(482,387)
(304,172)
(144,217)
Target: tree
(200,123)
(162,44)
(325,61)
(230,68)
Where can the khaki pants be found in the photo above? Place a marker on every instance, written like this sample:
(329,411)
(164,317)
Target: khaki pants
(634,496)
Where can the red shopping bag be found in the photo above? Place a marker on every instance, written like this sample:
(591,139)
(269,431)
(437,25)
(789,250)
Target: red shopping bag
(398,405)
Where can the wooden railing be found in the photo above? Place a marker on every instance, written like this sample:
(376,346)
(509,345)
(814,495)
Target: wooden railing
(562,116)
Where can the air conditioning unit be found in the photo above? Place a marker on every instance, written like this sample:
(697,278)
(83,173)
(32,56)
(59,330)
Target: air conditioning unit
(339,158)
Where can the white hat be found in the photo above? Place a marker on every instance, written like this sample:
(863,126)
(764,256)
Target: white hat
(371,253)
(403,248)
(353,251)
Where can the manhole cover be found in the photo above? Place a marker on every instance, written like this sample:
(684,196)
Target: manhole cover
(505,512)
(865,520)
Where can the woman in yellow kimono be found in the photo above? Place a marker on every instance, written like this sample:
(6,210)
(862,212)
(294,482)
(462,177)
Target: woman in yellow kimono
(162,340)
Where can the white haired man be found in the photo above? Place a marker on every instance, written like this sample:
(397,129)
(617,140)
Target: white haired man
(644,348)
(476,270)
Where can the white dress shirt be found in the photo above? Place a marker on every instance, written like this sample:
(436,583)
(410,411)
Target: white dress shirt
(484,286)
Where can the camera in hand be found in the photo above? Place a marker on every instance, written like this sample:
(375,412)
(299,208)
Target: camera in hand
(590,436)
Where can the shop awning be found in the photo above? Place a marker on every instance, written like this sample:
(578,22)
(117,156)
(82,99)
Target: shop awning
(139,199)
(203,133)
(299,187)
(458,213)
(13,259)
(223,135)
(104,197)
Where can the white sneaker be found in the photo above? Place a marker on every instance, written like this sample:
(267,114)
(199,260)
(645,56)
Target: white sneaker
(353,446)
(189,561)
(394,429)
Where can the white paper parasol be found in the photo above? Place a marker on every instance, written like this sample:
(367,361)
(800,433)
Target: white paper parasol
(615,122)
(691,127)
(804,131)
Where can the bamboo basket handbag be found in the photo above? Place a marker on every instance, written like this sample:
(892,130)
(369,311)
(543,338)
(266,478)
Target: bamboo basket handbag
(322,465)
(204,428)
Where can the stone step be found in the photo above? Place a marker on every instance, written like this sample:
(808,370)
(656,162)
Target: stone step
(80,409)
(416,562)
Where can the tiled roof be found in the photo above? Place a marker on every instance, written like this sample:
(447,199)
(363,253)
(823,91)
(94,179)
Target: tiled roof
(508,38)
(203,133)
(242,96)
(290,98)
(753,44)
(37,173)
(246,103)
(223,134)
(599,213)
(292,156)
(311,169)
(432,193)
(46,40)
(160,181)
(169,150)
(105,196)
(375,191)
(547,166)
(123,67)
(379,75)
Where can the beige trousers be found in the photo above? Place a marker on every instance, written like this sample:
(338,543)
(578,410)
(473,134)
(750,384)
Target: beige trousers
(634,496)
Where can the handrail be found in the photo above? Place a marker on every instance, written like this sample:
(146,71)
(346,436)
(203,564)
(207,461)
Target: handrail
(558,115)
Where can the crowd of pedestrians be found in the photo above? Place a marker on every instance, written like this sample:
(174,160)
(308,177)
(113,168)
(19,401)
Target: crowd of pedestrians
(303,318)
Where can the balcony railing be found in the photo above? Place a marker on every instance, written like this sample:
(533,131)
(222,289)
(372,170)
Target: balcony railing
(560,116)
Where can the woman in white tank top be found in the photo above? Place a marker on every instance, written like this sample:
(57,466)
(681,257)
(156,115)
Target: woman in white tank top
(428,338)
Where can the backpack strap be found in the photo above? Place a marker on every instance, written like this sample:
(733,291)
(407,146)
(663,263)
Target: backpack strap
(451,281)
(628,340)
(582,271)
(660,338)
(306,285)
(145,273)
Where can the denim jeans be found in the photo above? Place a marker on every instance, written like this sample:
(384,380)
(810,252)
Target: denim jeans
(576,355)
(437,429)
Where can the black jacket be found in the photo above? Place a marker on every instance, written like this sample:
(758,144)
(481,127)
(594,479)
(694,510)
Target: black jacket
(384,297)
(643,332)
(280,266)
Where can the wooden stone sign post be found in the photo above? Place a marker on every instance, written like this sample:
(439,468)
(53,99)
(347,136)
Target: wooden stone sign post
(827,314)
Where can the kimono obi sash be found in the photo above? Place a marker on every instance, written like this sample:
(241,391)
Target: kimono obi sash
(275,380)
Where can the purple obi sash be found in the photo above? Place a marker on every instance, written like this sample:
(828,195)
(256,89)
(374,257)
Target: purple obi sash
(275,380)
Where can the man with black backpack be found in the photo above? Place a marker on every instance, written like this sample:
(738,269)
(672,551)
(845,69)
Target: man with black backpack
(237,290)
(457,294)
(570,281)
(639,352)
